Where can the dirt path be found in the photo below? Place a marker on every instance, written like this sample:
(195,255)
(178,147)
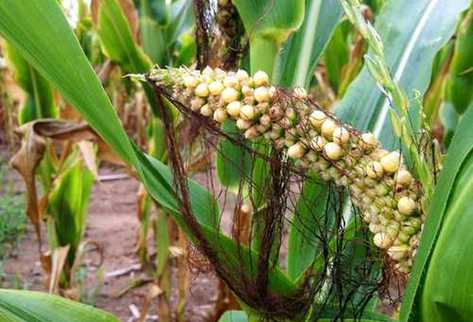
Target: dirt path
(113,224)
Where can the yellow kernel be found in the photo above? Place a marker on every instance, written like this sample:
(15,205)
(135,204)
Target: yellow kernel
(208,71)
(190,81)
(243,124)
(333,151)
(369,139)
(296,151)
(381,240)
(229,95)
(265,120)
(220,115)
(247,90)
(403,177)
(231,81)
(251,133)
(328,126)
(206,110)
(317,118)
(242,75)
(202,90)
(233,109)
(319,142)
(374,170)
(406,205)
(391,162)
(215,88)
(341,135)
(247,112)
(261,94)
(398,252)
(260,78)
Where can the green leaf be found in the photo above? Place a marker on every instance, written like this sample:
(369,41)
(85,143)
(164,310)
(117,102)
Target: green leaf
(302,247)
(162,243)
(40,100)
(160,11)
(460,83)
(68,204)
(182,20)
(449,118)
(39,30)
(300,54)
(117,40)
(268,24)
(234,316)
(411,42)
(337,54)
(118,43)
(233,161)
(26,306)
(151,32)
(441,275)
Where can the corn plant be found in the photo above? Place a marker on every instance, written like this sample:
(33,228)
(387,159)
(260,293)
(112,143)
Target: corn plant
(65,181)
(371,146)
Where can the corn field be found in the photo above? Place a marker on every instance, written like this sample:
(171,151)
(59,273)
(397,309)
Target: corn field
(311,157)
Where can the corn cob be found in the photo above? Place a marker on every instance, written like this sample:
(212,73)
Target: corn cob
(379,184)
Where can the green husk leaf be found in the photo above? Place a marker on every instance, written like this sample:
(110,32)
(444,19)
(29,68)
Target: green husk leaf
(302,247)
(268,24)
(233,161)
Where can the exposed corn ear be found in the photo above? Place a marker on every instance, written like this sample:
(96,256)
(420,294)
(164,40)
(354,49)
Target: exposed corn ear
(378,181)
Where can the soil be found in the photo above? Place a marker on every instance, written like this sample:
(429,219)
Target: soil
(112,223)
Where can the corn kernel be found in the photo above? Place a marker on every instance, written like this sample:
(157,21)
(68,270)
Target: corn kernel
(202,90)
(233,109)
(296,151)
(391,162)
(328,126)
(406,205)
(247,112)
(220,115)
(216,87)
(333,151)
(317,118)
(260,78)
(229,95)
(341,135)
(261,94)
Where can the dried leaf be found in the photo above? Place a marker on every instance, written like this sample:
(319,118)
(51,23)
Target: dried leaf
(88,154)
(25,162)
(62,130)
(131,15)
(58,259)
(94,8)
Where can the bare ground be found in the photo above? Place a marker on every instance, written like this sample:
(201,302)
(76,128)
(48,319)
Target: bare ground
(113,224)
